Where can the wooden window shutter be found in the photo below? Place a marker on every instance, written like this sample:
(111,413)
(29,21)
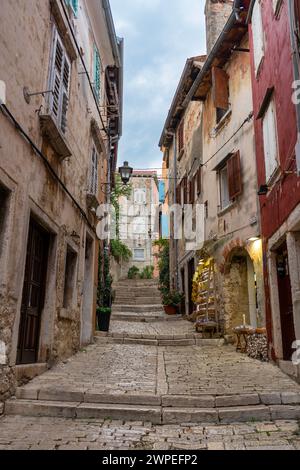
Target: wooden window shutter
(180,136)
(178,194)
(192,191)
(220,88)
(199,180)
(97,72)
(185,190)
(234,175)
(60,83)
(93,186)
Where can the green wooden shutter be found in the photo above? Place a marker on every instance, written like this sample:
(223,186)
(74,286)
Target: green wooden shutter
(97,72)
(74,5)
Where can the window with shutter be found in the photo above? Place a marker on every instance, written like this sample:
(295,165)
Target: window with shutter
(97,73)
(199,180)
(191,191)
(93,183)
(178,194)
(234,176)
(185,190)
(140,196)
(60,83)
(258,35)
(180,137)
(230,180)
(74,5)
(220,88)
(270,140)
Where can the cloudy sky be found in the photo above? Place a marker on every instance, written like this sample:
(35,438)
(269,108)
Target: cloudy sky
(159,36)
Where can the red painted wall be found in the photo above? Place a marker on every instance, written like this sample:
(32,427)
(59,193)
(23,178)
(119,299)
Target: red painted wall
(277,72)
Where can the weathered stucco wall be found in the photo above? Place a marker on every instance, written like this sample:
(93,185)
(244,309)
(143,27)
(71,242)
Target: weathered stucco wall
(25,36)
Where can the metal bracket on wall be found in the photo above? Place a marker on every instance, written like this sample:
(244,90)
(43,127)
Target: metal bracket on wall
(27,95)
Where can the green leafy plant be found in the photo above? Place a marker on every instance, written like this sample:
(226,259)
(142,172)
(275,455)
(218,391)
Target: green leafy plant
(120,251)
(119,190)
(163,256)
(147,272)
(103,310)
(172,298)
(133,272)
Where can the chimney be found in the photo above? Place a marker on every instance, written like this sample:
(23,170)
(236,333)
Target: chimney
(217,13)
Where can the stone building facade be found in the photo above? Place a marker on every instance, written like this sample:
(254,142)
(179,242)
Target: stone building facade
(275,66)
(139,221)
(217,107)
(57,148)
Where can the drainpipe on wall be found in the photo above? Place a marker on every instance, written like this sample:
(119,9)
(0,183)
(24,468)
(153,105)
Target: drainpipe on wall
(296,67)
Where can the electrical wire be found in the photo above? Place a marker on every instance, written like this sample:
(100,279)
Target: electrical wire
(19,128)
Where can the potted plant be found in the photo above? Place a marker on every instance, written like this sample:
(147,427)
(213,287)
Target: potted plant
(103,317)
(171,301)
(133,273)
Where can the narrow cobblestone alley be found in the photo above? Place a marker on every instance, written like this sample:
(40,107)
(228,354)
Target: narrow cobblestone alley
(151,383)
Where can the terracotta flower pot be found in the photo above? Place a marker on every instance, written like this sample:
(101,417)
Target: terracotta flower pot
(170,310)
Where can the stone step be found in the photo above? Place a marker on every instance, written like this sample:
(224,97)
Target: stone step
(136,284)
(158,340)
(148,342)
(139,290)
(153,414)
(120,308)
(83,410)
(233,401)
(137,300)
(144,318)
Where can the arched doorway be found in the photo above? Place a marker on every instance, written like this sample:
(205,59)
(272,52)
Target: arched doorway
(240,290)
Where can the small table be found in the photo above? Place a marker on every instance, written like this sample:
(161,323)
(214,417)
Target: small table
(242,333)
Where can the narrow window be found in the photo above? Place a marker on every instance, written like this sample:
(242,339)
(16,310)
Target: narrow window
(270,140)
(74,5)
(224,192)
(230,180)
(94,168)
(199,181)
(139,254)
(180,138)
(220,92)
(140,196)
(60,76)
(70,278)
(97,73)
(258,35)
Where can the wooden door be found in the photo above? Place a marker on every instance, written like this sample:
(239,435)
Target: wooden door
(33,294)
(286,303)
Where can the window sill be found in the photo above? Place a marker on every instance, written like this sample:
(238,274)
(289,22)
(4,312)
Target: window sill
(55,136)
(222,122)
(227,209)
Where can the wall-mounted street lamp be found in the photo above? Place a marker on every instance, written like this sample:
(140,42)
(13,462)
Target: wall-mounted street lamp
(125,173)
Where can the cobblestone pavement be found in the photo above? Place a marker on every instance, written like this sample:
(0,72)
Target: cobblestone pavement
(192,370)
(113,368)
(55,433)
